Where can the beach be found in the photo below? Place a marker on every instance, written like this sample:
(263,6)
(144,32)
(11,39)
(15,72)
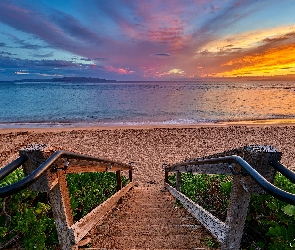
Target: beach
(151,146)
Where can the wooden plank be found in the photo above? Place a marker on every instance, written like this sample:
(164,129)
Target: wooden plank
(65,197)
(218,228)
(219,168)
(90,169)
(96,164)
(84,225)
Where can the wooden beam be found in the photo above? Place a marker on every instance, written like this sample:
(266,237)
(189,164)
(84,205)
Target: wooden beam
(84,225)
(218,228)
(219,168)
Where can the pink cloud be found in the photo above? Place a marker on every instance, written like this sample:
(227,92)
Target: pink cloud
(119,70)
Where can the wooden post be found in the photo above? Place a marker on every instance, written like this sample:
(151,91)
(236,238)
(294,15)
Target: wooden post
(242,187)
(178,180)
(236,214)
(119,180)
(130,175)
(62,212)
(36,155)
(53,182)
(166,177)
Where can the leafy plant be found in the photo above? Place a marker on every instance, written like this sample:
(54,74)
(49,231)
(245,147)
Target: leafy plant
(87,190)
(274,218)
(211,191)
(270,223)
(26,218)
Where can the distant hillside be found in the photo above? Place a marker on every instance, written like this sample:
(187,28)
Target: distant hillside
(66,79)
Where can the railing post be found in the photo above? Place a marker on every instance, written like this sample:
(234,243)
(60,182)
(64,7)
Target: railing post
(131,164)
(259,158)
(178,180)
(166,177)
(119,180)
(62,212)
(130,175)
(236,214)
(36,154)
(53,182)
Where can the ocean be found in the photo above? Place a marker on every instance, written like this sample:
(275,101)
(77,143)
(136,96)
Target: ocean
(49,104)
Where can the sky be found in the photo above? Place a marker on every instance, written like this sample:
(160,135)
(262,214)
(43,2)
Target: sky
(147,39)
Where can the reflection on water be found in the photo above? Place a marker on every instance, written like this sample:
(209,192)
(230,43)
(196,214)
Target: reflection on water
(250,103)
(178,102)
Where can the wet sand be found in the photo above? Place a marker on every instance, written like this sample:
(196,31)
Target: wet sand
(150,147)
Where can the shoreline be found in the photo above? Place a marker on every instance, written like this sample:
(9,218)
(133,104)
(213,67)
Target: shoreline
(47,127)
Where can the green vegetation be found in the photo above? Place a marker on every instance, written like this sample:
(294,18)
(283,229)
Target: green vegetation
(270,223)
(26,217)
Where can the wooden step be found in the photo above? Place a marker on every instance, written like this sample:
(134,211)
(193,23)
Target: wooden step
(147,242)
(149,218)
(152,230)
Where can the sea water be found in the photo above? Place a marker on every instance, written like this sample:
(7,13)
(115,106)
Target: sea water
(132,103)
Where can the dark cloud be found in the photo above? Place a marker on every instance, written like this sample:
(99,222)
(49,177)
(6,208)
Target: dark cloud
(63,32)
(162,55)
(24,44)
(228,48)
(50,54)
(86,59)
(2,44)
(73,27)
(5,53)
(280,38)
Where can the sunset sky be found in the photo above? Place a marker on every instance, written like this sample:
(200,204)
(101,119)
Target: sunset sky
(146,39)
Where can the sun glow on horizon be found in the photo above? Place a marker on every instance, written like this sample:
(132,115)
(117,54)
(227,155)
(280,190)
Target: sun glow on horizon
(275,61)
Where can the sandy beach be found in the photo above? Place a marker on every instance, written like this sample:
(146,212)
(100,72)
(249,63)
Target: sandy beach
(150,147)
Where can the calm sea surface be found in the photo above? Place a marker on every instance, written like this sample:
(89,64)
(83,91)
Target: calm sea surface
(132,103)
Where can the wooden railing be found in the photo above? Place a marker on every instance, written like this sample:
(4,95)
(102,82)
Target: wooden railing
(251,167)
(46,169)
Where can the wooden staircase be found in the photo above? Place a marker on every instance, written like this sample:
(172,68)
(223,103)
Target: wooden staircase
(149,218)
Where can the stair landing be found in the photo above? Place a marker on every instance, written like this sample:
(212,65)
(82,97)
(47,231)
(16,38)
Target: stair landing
(149,218)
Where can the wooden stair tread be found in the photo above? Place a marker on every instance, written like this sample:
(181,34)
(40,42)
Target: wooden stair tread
(149,218)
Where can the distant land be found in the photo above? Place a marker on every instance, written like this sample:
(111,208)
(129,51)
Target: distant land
(65,79)
(69,79)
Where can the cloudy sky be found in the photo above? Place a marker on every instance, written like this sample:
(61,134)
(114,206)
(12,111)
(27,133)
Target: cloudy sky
(146,39)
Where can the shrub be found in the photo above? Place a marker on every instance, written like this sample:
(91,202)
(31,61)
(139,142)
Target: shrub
(26,218)
(270,223)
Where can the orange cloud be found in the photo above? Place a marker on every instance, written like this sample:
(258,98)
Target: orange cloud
(274,61)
